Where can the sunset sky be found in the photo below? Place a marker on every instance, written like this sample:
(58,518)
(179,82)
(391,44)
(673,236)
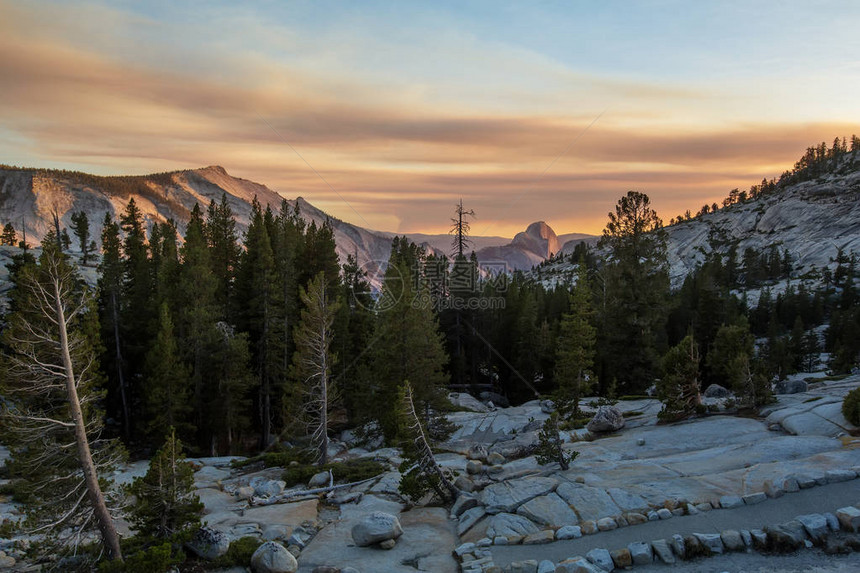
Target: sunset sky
(385,114)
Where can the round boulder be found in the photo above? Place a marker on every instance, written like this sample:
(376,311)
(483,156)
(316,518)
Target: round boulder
(607,419)
(376,528)
(319,480)
(209,543)
(271,557)
(716,391)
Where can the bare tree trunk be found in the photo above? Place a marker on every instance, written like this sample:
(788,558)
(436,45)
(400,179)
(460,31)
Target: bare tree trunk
(94,492)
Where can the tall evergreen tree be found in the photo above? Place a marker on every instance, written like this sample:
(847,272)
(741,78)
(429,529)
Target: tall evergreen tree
(81,229)
(224,253)
(167,392)
(575,353)
(637,283)
(227,403)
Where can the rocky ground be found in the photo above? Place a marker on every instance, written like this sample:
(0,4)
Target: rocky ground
(641,474)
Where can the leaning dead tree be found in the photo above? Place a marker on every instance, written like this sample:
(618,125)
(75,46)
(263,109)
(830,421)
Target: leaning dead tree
(49,417)
(423,473)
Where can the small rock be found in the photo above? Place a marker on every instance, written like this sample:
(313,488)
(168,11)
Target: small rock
(691,509)
(849,518)
(474,467)
(661,550)
(568,532)
(578,565)
(6,561)
(641,553)
(463,503)
(785,537)
(464,548)
(832,521)
(499,540)
(716,391)
(678,512)
(388,544)
(664,513)
(464,484)
(710,541)
(759,538)
(606,419)
(320,479)
(730,501)
(772,490)
(244,492)
(271,557)
(495,458)
(815,525)
(547,406)
(754,498)
(477,452)
(544,536)
(276,531)
(640,441)
(704,506)
(607,524)
(589,527)
(497,469)
(270,488)
(622,558)
(484,542)
(746,538)
(621,521)
(790,485)
(678,546)
(732,540)
(806,482)
(790,387)
(836,476)
(375,528)
(601,558)
(637,518)
(546,566)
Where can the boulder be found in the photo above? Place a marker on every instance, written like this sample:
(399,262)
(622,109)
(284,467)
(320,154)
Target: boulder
(474,467)
(785,537)
(209,543)
(568,532)
(710,541)
(732,540)
(244,492)
(606,419)
(375,528)
(716,391)
(815,525)
(509,524)
(662,550)
(622,558)
(495,458)
(640,553)
(464,484)
(320,479)
(539,537)
(601,558)
(272,557)
(549,510)
(791,386)
(849,518)
(506,497)
(477,452)
(547,406)
(270,488)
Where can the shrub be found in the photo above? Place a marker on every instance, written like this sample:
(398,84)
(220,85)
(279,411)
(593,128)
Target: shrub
(155,559)
(348,471)
(239,553)
(851,407)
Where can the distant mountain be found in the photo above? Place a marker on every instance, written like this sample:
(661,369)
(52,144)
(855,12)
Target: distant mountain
(530,247)
(809,217)
(28,198)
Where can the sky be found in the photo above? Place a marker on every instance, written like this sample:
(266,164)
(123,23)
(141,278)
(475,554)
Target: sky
(386,114)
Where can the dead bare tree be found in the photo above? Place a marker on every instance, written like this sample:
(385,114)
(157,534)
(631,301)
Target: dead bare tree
(314,360)
(50,418)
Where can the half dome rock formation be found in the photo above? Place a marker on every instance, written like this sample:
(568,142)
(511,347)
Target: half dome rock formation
(538,238)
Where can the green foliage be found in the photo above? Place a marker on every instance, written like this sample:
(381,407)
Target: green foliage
(550,448)
(276,459)
(730,355)
(679,387)
(239,553)
(167,391)
(343,472)
(166,503)
(157,558)
(851,407)
(575,348)
(636,284)
(9,236)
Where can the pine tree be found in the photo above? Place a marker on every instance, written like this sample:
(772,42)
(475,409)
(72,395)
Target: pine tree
(224,253)
(575,353)
(731,355)
(637,282)
(166,502)
(50,417)
(679,387)
(408,347)
(227,403)
(9,236)
(167,392)
(314,360)
(111,273)
(550,447)
(258,290)
(81,229)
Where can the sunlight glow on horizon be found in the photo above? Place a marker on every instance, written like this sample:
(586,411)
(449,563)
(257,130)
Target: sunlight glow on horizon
(405,108)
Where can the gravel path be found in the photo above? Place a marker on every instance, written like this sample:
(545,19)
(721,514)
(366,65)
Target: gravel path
(814,500)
